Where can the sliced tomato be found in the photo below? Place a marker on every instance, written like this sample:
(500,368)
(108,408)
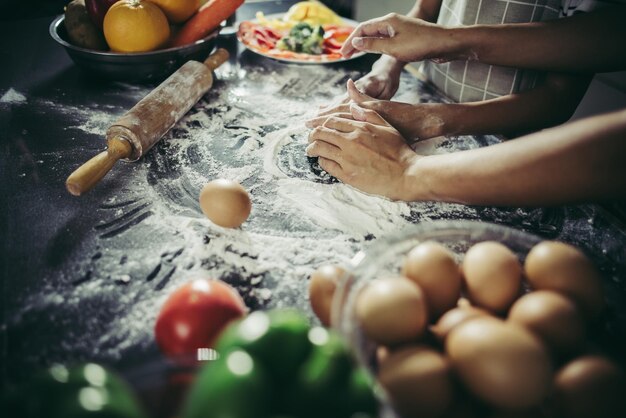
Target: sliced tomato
(264,41)
(267,32)
(332,44)
(338,33)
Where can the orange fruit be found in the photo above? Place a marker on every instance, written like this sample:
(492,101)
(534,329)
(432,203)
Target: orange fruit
(177,11)
(135,26)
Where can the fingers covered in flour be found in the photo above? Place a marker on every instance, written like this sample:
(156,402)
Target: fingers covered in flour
(331,136)
(321,120)
(377,28)
(367,115)
(332,167)
(324,150)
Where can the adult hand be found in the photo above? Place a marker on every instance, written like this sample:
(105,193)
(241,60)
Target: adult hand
(361,149)
(404,38)
(413,121)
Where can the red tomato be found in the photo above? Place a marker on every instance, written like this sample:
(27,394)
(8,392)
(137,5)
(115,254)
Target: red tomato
(195,314)
(330,46)
(267,32)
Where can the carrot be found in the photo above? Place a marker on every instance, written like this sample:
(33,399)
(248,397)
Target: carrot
(205,21)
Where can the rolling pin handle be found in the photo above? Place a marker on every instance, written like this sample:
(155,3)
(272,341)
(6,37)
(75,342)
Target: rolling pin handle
(216,59)
(89,174)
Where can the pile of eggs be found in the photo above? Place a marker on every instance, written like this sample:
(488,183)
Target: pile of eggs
(488,337)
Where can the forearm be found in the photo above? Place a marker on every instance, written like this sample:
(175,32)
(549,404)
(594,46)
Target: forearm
(548,104)
(581,161)
(587,42)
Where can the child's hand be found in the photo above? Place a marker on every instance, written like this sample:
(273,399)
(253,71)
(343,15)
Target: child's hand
(404,38)
(381,82)
(413,121)
(361,149)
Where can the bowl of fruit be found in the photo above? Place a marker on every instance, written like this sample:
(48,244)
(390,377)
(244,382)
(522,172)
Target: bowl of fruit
(479,319)
(139,40)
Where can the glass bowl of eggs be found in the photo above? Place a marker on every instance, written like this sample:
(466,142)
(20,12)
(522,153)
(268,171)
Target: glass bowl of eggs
(462,318)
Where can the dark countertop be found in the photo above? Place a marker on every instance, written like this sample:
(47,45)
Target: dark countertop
(83,278)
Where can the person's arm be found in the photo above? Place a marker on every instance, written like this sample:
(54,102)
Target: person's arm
(383,80)
(580,161)
(549,104)
(586,42)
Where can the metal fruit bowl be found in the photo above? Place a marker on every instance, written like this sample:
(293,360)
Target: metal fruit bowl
(143,66)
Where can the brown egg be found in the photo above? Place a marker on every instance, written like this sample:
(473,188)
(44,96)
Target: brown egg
(382,353)
(502,364)
(322,287)
(392,310)
(492,275)
(525,413)
(225,202)
(455,317)
(432,267)
(552,265)
(589,386)
(552,317)
(418,380)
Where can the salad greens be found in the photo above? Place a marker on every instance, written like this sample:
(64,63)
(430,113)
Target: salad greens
(303,38)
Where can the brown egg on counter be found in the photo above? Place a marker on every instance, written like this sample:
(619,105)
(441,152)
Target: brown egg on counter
(392,310)
(493,276)
(552,317)
(418,380)
(322,286)
(432,267)
(455,317)
(500,363)
(225,202)
(382,353)
(525,413)
(589,386)
(553,265)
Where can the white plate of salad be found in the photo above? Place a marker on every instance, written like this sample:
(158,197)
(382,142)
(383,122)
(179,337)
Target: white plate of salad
(309,33)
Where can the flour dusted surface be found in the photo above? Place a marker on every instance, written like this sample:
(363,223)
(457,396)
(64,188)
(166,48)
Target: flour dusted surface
(151,235)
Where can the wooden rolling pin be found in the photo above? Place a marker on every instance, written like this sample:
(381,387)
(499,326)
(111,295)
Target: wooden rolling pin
(144,125)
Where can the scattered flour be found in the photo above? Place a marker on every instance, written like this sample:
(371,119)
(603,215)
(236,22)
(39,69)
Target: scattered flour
(12,96)
(249,128)
(341,207)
